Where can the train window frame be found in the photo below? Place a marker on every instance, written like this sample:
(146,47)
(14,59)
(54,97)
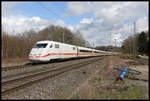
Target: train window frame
(56,45)
(73,48)
(40,45)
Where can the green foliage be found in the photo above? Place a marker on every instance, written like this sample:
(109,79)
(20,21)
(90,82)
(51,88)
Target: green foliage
(137,43)
(122,90)
(142,43)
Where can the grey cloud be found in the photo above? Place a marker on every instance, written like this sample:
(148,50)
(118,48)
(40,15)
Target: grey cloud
(21,24)
(109,18)
(105,23)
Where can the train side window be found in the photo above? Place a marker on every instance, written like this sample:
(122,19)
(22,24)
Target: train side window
(73,48)
(51,46)
(86,51)
(56,46)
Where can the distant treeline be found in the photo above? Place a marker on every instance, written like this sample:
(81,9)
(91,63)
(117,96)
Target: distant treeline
(19,45)
(138,44)
(109,48)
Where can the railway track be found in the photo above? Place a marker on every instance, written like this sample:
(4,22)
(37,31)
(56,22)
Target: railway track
(7,68)
(15,84)
(28,71)
(27,65)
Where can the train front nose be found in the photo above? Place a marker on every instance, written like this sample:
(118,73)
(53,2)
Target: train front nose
(38,52)
(35,54)
(37,58)
(34,58)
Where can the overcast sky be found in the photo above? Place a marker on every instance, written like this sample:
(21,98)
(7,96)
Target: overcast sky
(99,22)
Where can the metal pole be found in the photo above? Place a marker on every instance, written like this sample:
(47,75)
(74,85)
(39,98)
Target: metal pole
(85,43)
(63,37)
(93,44)
(115,46)
(134,42)
(50,34)
(110,38)
(110,42)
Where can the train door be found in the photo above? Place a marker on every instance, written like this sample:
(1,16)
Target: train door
(77,51)
(59,51)
(56,51)
(63,51)
(50,50)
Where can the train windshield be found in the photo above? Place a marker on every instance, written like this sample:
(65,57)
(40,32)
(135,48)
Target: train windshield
(40,45)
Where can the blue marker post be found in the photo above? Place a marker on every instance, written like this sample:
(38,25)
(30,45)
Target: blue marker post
(123,74)
(126,70)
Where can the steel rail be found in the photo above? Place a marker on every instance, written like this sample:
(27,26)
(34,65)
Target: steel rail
(13,85)
(6,68)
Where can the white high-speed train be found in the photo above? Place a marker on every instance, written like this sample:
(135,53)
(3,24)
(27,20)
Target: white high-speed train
(44,51)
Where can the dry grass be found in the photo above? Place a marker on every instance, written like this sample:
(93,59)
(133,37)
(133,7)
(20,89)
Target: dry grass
(104,86)
(14,61)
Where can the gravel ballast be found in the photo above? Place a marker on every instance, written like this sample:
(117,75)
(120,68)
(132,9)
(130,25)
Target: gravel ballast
(59,87)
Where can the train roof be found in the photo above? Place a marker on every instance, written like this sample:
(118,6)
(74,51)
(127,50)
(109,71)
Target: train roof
(84,48)
(47,41)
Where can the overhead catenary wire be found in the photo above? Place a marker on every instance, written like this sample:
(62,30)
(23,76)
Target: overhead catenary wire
(54,14)
(51,11)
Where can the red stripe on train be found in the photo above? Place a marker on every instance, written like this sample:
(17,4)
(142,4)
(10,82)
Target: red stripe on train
(66,54)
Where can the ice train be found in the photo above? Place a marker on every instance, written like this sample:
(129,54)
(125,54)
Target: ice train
(45,51)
